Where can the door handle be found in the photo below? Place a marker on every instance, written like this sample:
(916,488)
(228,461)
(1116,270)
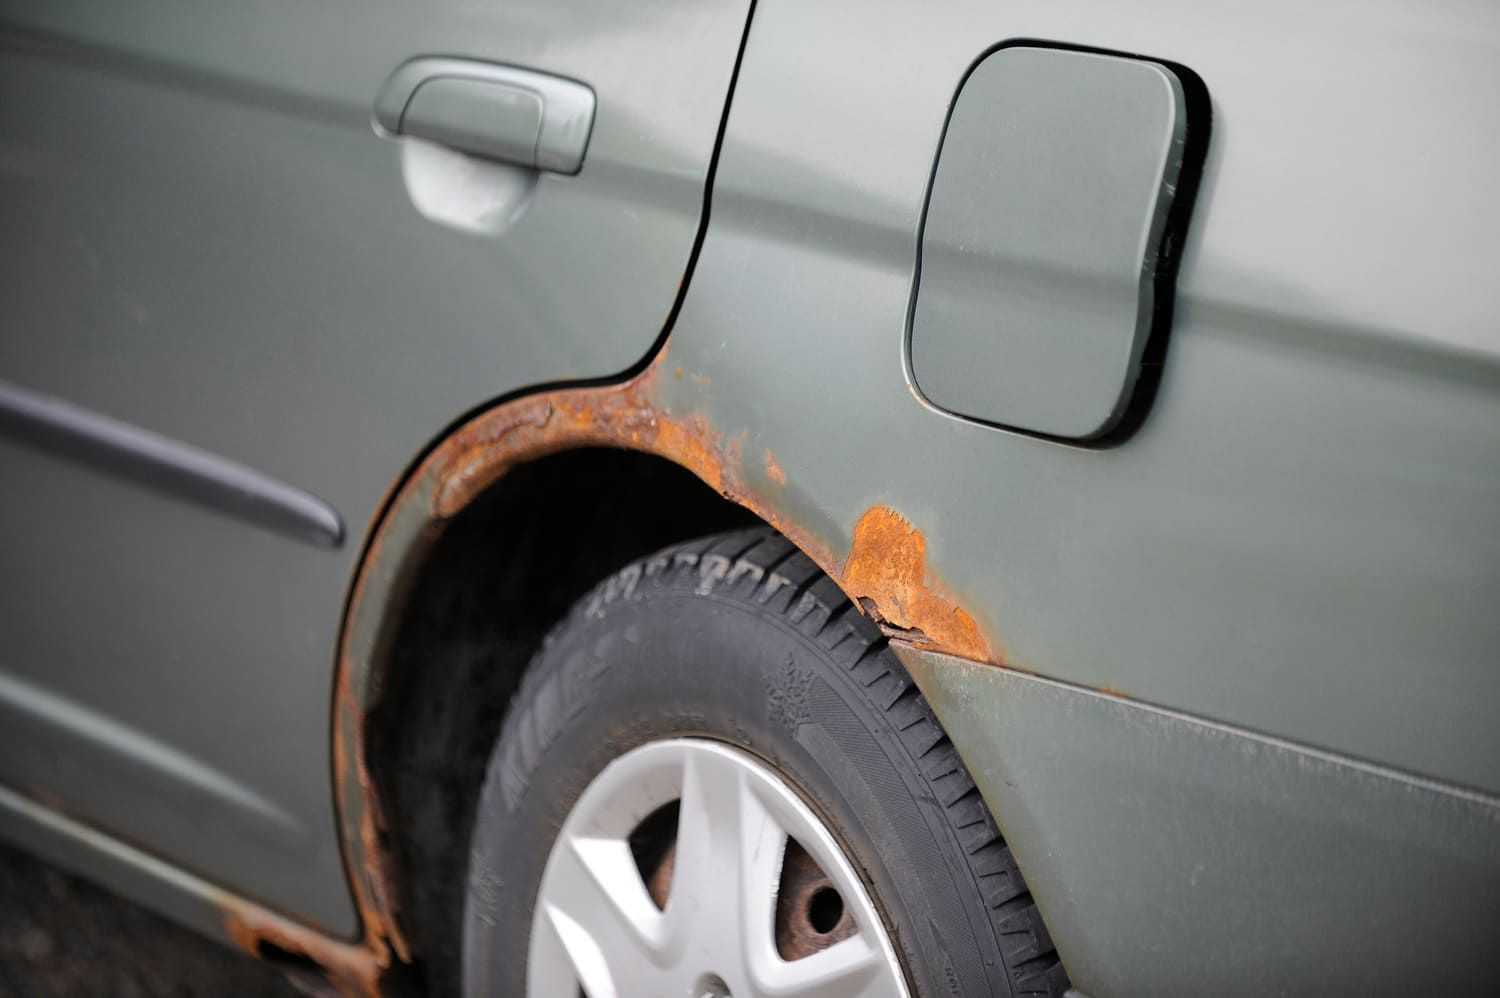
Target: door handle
(499,112)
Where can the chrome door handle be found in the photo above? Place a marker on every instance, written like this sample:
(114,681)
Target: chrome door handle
(499,112)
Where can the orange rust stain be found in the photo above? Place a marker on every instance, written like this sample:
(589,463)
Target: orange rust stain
(614,416)
(377,902)
(624,415)
(677,373)
(370,868)
(774,470)
(886,574)
(351,969)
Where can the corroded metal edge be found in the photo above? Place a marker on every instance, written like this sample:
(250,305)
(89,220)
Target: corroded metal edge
(352,968)
(884,571)
(40,821)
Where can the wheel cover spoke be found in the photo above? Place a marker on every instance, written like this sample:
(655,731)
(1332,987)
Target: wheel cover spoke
(729,849)
(599,909)
(596,927)
(844,970)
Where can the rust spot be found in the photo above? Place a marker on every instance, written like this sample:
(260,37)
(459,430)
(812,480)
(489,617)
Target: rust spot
(886,574)
(350,968)
(773,469)
(701,380)
(615,416)
(370,866)
(372,877)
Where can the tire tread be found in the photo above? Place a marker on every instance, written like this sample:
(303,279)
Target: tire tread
(760,565)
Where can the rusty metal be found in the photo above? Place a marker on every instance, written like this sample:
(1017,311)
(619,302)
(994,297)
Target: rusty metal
(774,470)
(351,968)
(885,573)
(369,863)
(801,896)
(802,899)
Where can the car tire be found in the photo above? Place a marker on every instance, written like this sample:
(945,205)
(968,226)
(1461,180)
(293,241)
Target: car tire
(738,644)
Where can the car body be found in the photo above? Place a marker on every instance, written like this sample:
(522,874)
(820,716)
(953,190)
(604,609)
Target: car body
(1225,669)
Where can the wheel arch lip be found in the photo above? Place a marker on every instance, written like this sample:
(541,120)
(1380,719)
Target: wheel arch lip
(883,570)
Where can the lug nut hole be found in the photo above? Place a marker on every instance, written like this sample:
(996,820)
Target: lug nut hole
(824,910)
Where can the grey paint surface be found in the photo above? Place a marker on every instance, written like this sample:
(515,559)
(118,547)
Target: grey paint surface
(1173,856)
(1044,222)
(76,846)
(516,115)
(205,238)
(53,425)
(1302,539)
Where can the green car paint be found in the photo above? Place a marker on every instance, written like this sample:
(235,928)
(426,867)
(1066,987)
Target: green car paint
(1289,568)
(1042,239)
(1165,849)
(1301,536)
(205,238)
(1301,540)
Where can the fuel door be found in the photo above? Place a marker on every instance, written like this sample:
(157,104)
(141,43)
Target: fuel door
(1046,258)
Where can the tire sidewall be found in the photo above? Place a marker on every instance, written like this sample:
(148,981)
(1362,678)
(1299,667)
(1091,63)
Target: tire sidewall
(670,660)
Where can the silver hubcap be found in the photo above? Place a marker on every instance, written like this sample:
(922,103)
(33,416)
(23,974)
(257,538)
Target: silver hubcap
(723,929)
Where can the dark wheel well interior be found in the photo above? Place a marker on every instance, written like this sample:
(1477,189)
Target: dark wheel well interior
(503,572)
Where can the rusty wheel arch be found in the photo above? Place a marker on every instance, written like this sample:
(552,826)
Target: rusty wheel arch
(883,571)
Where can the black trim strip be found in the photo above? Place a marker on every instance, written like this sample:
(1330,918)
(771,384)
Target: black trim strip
(178,469)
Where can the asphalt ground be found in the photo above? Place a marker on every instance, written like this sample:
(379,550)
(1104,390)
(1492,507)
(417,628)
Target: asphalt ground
(61,936)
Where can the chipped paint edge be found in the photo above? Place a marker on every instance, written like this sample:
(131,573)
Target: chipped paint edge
(41,821)
(908,602)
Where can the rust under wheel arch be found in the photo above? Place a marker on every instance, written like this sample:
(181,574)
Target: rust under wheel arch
(884,573)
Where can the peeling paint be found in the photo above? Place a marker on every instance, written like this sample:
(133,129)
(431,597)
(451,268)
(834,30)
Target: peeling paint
(370,866)
(350,968)
(616,416)
(885,573)
(773,469)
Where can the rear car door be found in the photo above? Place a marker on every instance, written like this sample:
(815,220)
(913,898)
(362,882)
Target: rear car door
(235,312)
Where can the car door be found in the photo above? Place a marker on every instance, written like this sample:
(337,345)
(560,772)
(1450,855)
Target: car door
(235,312)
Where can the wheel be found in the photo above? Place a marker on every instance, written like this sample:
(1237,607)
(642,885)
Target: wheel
(717,779)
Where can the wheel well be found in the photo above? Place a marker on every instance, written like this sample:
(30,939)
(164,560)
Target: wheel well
(503,572)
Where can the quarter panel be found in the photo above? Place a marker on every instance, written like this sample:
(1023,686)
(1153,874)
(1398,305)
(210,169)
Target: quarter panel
(1237,865)
(1302,538)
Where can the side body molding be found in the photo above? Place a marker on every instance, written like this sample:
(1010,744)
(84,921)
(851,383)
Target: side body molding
(180,470)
